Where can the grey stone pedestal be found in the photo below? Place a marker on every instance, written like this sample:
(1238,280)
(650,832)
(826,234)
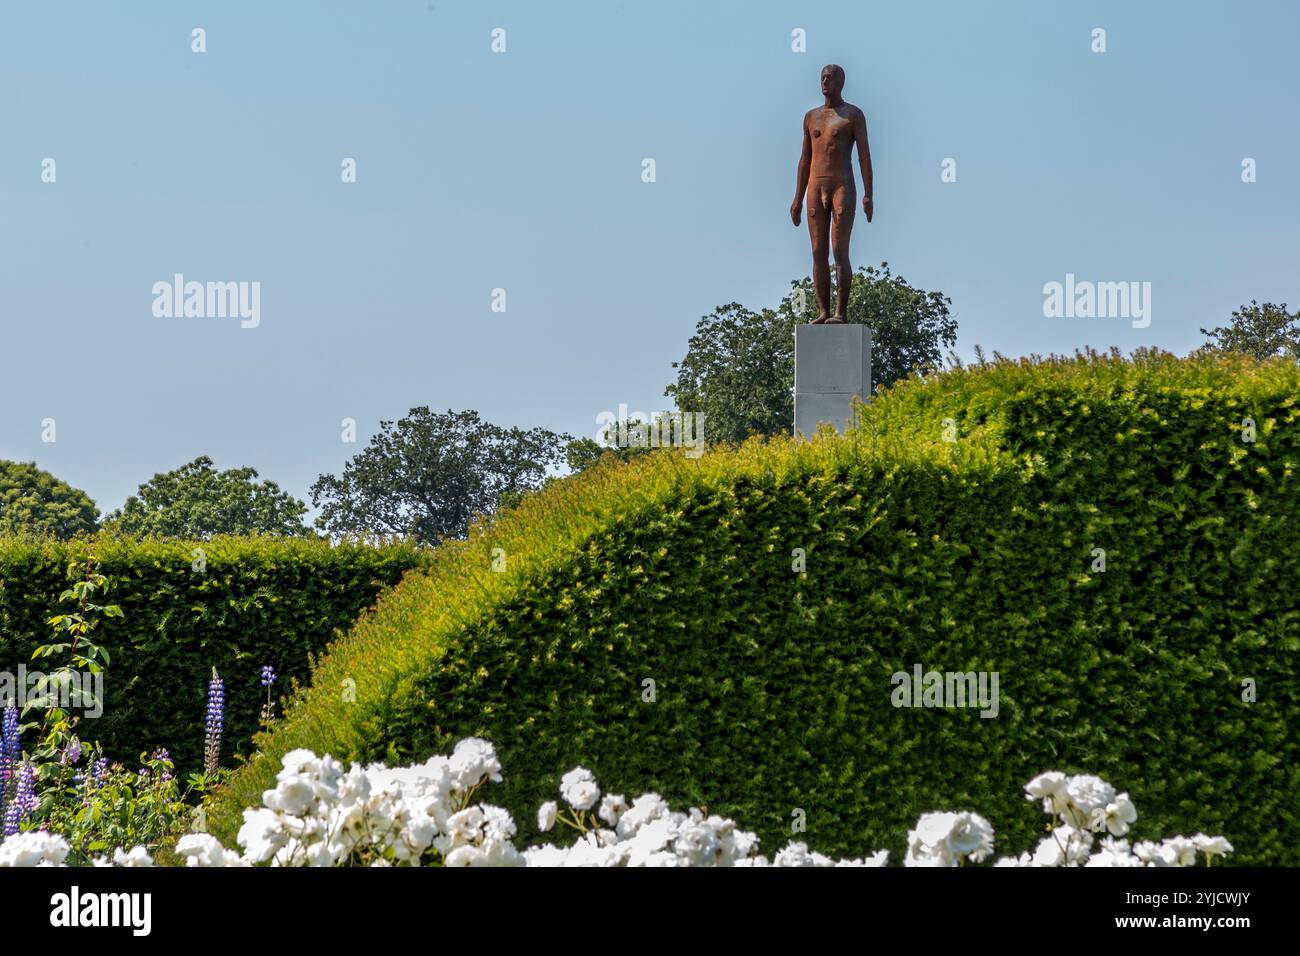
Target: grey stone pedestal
(832,366)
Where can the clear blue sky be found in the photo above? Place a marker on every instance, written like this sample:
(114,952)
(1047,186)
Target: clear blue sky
(522,171)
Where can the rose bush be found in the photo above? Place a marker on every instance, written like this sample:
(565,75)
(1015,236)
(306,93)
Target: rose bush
(321,813)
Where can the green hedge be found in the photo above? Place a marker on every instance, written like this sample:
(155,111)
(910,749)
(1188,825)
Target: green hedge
(773,687)
(257,601)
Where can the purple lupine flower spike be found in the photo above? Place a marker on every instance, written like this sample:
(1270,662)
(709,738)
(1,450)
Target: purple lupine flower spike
(10,750)
(24,801)
(10,754)
(216,717)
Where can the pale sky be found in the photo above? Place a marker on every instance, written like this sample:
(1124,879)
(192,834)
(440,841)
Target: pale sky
(522,171)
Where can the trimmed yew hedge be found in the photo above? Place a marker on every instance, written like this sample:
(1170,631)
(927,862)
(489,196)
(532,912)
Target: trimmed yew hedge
(772,689)
(258,600)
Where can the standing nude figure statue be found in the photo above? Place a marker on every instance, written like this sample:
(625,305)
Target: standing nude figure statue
(826,174)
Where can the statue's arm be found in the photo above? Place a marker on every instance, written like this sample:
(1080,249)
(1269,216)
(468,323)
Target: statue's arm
(864,161)
(801,176)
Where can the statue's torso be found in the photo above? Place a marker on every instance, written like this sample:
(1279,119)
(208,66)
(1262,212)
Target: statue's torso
(831,131)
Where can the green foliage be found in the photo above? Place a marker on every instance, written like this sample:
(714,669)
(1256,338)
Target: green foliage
(739,372)
(235,603)
(428,475)
(1261,331)
(196,501)
(772,687)
(118,808)
(620,441)
(33,501)
(581,453)
(739,365)
(96,806)
(79,655)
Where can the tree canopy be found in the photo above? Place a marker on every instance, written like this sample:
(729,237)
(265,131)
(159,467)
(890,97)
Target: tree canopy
(1259,330)
(34,501)
(427,475)
(197,501)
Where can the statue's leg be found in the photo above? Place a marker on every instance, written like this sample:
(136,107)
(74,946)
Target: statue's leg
(843,209)
(819,224)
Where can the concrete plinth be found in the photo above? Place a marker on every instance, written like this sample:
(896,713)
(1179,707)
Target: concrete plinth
(832,366)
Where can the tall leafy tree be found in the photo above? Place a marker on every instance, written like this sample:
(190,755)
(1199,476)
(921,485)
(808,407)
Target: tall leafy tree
(428,474)
(34,501)
(1259,330)
(739,364)
(196,501)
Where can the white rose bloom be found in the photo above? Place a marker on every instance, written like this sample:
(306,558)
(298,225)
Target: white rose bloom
(323,854)
(697,845)
(473,761)
(1116,816)
(971,836)
(260,836)
(136,856)
(465,856)
(578,787)
(417,836)
(743,844)
(294,761)
(1050,789)
(327,779)
(1211,846)
(33,848)
(647,807)
(1113,853)
(498,824)
(501,853)
(1064,846)
(1049,852)
(303,829)
(733,844)
(294,795)
(203,849)
(793,854)
(546,814)
(1181,849)
(465,826)
(1150,854)
(612,807)
(928,844)
(651,838)
(1086,794)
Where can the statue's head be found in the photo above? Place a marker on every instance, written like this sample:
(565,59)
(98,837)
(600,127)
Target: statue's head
(832,80)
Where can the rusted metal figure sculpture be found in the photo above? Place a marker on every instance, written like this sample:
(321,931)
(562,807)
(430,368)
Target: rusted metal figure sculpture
(826,175)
